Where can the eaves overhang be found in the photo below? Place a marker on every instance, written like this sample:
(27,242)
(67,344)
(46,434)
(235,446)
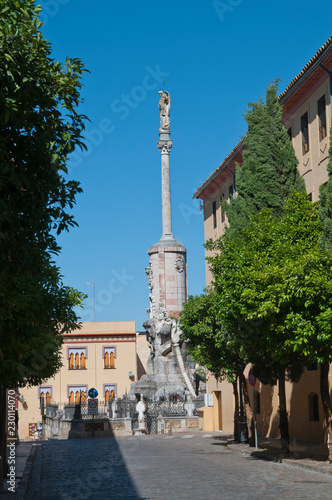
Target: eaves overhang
(314,64)
(211,183)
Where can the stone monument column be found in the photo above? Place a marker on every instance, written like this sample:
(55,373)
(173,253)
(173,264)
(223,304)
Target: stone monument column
(165,147)
(168,266)
(166,370)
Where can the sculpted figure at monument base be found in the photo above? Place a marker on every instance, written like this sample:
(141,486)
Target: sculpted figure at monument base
(166,375)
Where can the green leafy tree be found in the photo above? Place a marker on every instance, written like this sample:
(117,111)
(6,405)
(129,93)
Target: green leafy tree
(39,127)
(265,179)
(205,332)
(268,172)
(277,283)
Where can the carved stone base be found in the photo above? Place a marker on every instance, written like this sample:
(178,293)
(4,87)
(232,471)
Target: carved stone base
(142,430)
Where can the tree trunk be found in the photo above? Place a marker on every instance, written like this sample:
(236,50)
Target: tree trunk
(236,411)
(3,435)
(283,417)
(249,412)
(326,402)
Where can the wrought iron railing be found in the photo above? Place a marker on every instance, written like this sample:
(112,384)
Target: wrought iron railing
(126,407)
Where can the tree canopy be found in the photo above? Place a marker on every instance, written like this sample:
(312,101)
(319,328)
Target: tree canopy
(276,284)
(270,278)
(205,330)
(268,172)
(275,287)
(39,127)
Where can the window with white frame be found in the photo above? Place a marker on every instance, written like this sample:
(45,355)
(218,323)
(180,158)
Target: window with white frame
(77,358)
(109,355)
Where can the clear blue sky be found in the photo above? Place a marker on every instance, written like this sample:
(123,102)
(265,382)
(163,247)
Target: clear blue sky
(215,57)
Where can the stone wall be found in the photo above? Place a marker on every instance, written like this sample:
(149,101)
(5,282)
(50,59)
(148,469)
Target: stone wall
(62,428)
(177,424)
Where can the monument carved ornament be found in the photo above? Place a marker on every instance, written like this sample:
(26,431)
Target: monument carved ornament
(179,264)
(164,147)
(152,309)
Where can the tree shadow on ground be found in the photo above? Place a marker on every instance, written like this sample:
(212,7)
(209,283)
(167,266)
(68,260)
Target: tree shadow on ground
(219,440)
(81,468)
(265,455)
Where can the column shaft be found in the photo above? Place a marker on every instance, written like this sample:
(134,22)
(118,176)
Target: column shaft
(166,197)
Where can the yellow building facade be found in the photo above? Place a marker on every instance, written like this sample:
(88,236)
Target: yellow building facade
(307,117)
(101,355)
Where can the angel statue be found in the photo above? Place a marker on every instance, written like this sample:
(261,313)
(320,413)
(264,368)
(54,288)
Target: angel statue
(165,107)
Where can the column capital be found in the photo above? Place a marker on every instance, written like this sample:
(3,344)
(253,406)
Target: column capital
(165,147)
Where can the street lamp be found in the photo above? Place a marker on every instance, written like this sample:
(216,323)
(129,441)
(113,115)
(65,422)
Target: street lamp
(94,298)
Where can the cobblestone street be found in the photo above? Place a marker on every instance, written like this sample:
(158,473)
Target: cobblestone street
(153,467)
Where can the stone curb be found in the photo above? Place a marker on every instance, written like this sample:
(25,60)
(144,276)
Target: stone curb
(322,468)
(274,456)
(25,481)
(23,484)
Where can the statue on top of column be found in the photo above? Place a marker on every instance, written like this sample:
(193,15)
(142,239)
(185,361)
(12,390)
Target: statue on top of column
(164,107)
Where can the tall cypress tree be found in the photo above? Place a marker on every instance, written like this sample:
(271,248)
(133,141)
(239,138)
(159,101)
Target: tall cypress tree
(325,241)
(269,169)
(325,208)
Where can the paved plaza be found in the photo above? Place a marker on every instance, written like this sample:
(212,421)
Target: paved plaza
(184,466)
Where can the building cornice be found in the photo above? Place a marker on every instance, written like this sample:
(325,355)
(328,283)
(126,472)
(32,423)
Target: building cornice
(311,65)
(222,167)
(307,71)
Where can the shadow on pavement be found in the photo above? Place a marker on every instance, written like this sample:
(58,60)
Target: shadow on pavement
(81,469)
(264,455)
(219,441)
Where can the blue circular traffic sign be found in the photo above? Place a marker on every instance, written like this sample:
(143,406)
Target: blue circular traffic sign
(93,393)
(252,378)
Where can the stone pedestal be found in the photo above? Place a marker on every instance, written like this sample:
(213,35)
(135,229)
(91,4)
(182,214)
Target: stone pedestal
(168,264)
(142,429)
(141,409)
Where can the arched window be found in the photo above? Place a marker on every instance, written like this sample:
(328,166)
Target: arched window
(77,394)
(78,397)
(313,407)
(77,358)
(71,361)
(45,394)
(109,391)
(109,357)
(82,361)
(112,363)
